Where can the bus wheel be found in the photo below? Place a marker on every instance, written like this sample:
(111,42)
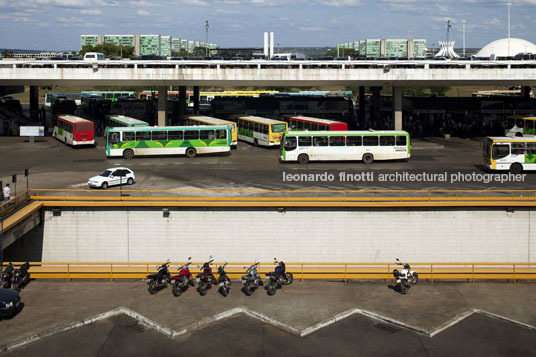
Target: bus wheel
(128,154)
(368,158)
(255,142)
(303,159)
(191,153)
(519,134)
(516,168)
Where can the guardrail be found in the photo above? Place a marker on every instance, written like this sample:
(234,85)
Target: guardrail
(14,203)
(304,196)
(469,272)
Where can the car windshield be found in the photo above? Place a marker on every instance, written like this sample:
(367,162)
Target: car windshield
(105,173)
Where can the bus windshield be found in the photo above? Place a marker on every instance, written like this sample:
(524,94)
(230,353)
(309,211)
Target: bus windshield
(278,128)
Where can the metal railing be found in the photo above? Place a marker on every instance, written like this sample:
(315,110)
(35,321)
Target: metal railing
(469,272)
(303,196)
(14,203)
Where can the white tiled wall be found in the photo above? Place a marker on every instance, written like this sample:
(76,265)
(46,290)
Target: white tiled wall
(307,236)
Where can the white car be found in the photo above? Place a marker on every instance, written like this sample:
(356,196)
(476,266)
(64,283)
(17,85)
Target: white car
(111,177)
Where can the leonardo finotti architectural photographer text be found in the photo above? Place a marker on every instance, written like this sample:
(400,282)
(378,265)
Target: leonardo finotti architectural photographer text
(404,177)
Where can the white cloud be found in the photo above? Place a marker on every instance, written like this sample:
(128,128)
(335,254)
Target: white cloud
(194,3)
(90,12)
(494,22)
(339,3)
(143,13)
(143,3)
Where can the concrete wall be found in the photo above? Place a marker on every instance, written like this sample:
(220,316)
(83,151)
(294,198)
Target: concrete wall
(296,235)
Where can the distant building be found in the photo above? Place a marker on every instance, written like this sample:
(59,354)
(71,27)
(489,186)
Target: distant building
(159,45)
(386,47)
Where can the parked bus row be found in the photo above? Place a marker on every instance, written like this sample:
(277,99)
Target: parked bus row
(127,137)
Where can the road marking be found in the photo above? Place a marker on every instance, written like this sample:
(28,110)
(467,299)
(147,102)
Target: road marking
(79,184)
(258,316)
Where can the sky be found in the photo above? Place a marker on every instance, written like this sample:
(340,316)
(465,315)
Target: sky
(58,24)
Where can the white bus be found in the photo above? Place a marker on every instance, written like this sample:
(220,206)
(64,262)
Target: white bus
(367,146)
(260,131)
(506,153)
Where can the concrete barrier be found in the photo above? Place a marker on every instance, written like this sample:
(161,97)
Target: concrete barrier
(299,235)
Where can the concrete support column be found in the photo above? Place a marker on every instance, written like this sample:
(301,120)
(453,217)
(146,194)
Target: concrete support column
(196,100)
(34,103)
(361,106)
(162,106)
(182,104)
(375,110)
(397,107)
(525,92)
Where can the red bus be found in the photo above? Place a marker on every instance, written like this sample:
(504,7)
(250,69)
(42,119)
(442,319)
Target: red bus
(74,130)
(313,124)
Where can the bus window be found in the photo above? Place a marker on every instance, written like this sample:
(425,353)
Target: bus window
(129,136)
(278,128)
(299,125)
(320,140)
(221,134)
(354,140)
(500,151)
(191,135)
(518,148)
(159,135)
(370,141)
(336,141)
(387,141)
(143,135)
(207,134)
(307,126)
(401,141)
(113,138)
(314,127)
(290,143)
(264,129)
(175,135)
(305,141)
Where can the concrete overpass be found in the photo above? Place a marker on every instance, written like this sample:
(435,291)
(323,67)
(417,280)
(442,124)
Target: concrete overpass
(269,73)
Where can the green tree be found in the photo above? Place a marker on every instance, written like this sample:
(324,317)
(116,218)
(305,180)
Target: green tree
(109,49)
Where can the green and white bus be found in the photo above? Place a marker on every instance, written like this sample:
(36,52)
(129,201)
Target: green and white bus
(367,146)
(260,131)
(121,121)
(167,140)
(516,154)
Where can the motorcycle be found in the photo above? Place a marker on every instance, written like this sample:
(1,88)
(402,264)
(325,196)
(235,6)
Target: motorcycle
(278,278)
(21,276)
(205,279)
(7,276)
(252,280)
(160,280)
(223,280)
(405,278)
(183,280)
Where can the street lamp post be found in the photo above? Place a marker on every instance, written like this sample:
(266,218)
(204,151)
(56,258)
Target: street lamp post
(509,4)
(206,37)
(463,27)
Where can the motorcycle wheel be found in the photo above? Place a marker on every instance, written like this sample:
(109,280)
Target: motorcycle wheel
(248,290)
(288,279)
(202,289)
(260,282)
(16,286)
(415,278)
(191,282)
(176,290)
(152,287)
(271,288)
(223,291)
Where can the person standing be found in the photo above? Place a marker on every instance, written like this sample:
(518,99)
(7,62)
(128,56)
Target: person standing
(7,193)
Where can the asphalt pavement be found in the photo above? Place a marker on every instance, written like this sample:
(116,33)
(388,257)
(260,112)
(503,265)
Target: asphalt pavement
(311,318)
(452,164)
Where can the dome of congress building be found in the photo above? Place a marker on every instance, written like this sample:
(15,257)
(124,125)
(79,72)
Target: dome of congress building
(500,47)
